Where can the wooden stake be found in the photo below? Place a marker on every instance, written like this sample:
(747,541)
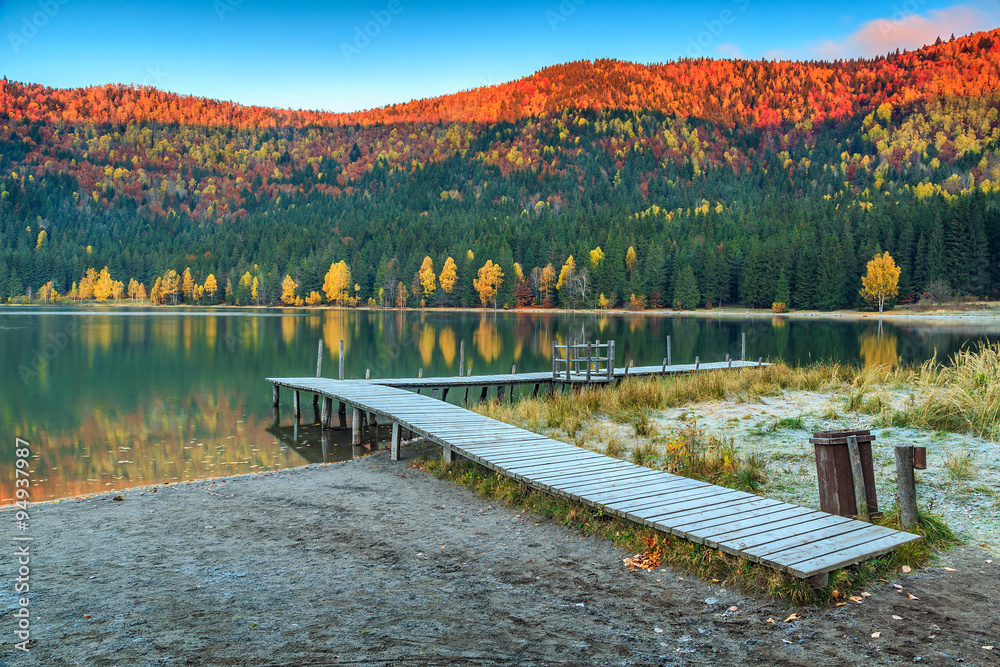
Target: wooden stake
(319,359)
(669,358)
(420,373)
(743,350)
(697,363)
(394,448)
(368,373)
(274,395)
(297,405)
(461,358)
(860,497)
(341,374)
(356,427)
(907,487)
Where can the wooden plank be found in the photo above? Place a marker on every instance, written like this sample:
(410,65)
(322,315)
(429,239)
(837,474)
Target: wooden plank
(802,547)
(750,524)
(809,533)
(850,555)
(718,520)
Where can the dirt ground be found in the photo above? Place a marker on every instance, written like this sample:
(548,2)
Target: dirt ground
(372,562)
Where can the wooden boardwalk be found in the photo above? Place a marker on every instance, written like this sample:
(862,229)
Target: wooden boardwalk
(793,539)
(546,377)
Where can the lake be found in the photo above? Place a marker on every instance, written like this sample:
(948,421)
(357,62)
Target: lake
(121,398)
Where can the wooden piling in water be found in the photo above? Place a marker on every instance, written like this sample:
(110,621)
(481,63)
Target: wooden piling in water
(461,358)
(319,359)
(356,426)
(340,374)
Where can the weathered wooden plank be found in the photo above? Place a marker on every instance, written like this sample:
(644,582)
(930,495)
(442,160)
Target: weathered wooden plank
(762,545)
(850,555)
(803,547)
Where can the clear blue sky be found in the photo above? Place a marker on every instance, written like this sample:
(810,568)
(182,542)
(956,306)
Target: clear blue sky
(316,55)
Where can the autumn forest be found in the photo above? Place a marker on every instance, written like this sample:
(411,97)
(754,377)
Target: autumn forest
(687,184)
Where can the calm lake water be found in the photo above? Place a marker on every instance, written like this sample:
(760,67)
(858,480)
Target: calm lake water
(113,399)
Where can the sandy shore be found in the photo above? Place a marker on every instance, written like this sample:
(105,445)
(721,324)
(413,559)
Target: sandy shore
(373,562)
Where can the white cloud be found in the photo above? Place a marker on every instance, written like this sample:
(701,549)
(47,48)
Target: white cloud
(728,50)
(906,31)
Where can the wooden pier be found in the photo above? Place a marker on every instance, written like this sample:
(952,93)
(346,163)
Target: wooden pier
(803,542)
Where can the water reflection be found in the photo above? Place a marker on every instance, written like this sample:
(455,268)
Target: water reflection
(116,399)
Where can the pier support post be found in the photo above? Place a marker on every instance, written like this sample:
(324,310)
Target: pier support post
(907,487)
(743,349)
(466,401)
(340,373)
(697,364)
(449,454)
(394,448)
(500,393)
(461,358)
(482,396)
(326,415)
(297,405)
(274,396)
(669,358)
(373,421)
(356,427)
(319,359)
(534,392)
(444,393)
(342,416)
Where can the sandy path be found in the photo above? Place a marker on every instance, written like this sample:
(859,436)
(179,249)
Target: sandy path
(372,562)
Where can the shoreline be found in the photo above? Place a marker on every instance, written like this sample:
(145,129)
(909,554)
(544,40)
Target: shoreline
(991,314)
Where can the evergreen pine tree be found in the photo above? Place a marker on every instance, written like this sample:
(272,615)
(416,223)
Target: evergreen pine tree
(686,294)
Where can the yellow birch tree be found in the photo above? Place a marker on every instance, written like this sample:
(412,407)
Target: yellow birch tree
(881,282)
(288,289)
(427,278)
(488,282)
(449,275)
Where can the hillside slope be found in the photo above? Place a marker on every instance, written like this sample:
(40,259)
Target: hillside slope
(747,172)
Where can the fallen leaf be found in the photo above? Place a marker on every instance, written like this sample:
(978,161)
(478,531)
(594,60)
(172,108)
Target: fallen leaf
(876,635)
(857,599)
(88,616)
(715,581)
(912,596)
(786,641)
(657,629)
(734,608)
(770,620)
(906,569)
(988,648)
(897,587)
(949,569)
(990,561)
(793,617)
(836,594)
(841,604)
(866,594)
(897,618)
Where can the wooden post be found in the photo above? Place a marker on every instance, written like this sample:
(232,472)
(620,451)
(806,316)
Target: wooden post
(669,358)
(325,417)
(434,392)
(567,362)
(906,484)
(663,373)
(274,396)
(420,373)
(468,372)
(394,448)
(342,416)
(449,454)
(534,393)
(590,353)
(444,393)
(513,369)
(729,362)
(340,375)
(368,373)
(743,349)
(860,497)
(482,396)
(500,393)
(373,421)
(356,427)
(554,371)
(611,359)
(697,363)
(576,365)
(297,406)
(466,401)
(461,358)
(760,362)
(319,359)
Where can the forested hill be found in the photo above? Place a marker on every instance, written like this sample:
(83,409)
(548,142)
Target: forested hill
(722,181)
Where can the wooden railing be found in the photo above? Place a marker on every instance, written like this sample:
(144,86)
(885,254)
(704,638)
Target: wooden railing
(584,362)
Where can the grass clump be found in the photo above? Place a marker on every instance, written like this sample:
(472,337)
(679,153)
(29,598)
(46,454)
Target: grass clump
(961,466)
(961,397)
